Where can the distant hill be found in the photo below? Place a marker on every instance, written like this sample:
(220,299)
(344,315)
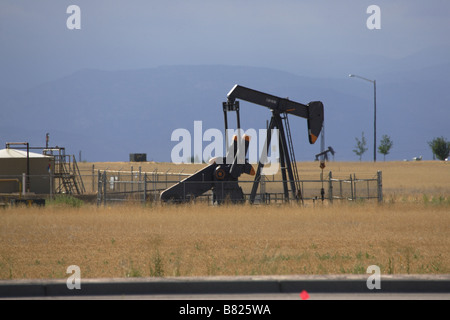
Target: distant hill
(109,114)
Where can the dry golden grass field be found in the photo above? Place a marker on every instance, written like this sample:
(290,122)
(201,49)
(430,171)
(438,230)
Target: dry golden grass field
(409,233)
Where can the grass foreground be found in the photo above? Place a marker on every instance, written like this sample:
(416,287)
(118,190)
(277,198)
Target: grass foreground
(401,237)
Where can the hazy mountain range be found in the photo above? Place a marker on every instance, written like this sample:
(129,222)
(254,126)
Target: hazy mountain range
(109,114)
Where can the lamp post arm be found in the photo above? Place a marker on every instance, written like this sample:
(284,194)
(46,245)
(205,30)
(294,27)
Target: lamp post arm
(356,76)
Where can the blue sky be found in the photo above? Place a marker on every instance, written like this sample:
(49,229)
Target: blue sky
(324,40)
(304,37)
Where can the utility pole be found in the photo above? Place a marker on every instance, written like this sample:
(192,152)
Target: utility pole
(374,113)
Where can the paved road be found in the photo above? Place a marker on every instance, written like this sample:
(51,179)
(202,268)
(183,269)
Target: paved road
(354,287)
(255,297)
(295,296)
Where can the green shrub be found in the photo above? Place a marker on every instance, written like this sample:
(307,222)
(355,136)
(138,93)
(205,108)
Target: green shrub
(66,200)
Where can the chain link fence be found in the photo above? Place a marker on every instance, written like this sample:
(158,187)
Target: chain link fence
(134,186)
(137,186)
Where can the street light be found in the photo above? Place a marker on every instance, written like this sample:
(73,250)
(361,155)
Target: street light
(374,113)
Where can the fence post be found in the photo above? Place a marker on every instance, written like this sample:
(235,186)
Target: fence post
(118,179)
(24,183)
(263,189)
(145,187)
(140,179)
(368,189)
(93,177)
(131,179)
(380,186)
(330,187)
(156,179)
(154,185)
(104,188)
(99,188)
(51,184)
(351,187)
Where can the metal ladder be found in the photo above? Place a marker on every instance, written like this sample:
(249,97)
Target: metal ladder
(69,175)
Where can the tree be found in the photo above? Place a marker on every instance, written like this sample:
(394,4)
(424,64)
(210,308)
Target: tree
(440,147)
(385,145)
(360,146)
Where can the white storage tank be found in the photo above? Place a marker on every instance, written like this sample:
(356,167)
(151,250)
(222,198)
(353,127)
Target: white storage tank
(14,163)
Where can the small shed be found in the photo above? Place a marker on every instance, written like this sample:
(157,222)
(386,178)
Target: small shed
(138,157)
(14,163)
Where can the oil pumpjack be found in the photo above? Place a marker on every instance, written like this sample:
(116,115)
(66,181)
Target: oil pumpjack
(221,175)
